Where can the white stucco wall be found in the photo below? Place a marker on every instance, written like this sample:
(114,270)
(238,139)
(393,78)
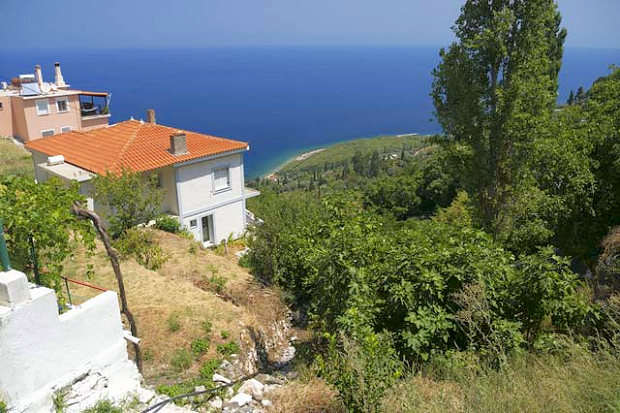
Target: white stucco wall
(227,219)
(41,349)
(196,183)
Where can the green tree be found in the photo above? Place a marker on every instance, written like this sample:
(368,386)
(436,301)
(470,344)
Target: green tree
(571,98)
(580,97)
(374,169)
(493,90)
(128,199)
(42,213)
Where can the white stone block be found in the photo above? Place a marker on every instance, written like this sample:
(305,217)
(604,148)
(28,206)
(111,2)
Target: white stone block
(14,288)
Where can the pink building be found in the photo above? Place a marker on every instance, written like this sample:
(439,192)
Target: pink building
(32,109)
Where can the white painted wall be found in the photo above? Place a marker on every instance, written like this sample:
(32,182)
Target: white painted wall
(196,183)
(41,349)
(227,219)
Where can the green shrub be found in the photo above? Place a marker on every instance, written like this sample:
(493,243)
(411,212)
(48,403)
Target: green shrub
(207,326)
(3,407)
(200,346)
(174,324)
(361,369)
(142,245)
(104,406)
(228,348)
(217,283)
(208,368)
(182,359)
(168,224)
(224,334)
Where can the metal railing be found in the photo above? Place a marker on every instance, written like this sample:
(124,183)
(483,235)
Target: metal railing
(71,297)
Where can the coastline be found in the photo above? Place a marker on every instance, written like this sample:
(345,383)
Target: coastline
(297,157)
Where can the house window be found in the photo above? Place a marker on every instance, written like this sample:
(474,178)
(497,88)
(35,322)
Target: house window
(221,179)
(62,105)
(193,223)
(0,105)
(42,107)
(66,129)
(47,132)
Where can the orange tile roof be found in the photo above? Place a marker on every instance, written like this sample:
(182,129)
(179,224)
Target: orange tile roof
(135,145)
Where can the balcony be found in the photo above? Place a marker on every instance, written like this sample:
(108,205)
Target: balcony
(94,105)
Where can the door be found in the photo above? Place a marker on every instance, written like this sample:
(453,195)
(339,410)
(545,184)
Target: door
(207,228)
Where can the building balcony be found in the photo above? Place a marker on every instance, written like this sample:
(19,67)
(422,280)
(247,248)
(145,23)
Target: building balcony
(94,104)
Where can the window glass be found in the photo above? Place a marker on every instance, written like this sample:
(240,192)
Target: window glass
(49,132)
(42,108)
(220,179)
(193,223)
(62,105)
(65,129)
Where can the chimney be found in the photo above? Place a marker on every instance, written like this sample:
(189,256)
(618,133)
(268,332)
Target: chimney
(58,79)
(178,143)
(39,76)
(150,116)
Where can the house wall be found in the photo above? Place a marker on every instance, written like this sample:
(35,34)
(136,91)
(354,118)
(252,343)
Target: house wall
(6,116)
(168,185)
(32,125)
(42,350)
(94,122)
(198,197)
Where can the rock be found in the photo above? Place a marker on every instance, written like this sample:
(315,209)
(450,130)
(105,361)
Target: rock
(199,388)
(239,400)
(218,378)
(269,379)
(252,387)
(216,403)
(266,403)
(229,392)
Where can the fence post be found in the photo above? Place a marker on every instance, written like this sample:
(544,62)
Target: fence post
(4,253)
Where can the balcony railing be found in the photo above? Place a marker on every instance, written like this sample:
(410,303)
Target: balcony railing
(88,109)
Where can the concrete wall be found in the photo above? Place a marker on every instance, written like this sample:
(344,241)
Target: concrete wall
(6,117)
(198,197)
(42,350)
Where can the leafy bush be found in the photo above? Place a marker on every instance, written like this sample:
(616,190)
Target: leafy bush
(168,224)
(182,359)
(361,369)
(3,407)
(128,200)
(174,324)
(142,245)
(216,283)
(200,346)
(207,326)
(104,406)
(228,348)
(208,368)
(224,334)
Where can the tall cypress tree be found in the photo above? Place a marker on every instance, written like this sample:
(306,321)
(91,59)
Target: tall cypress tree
(492,89)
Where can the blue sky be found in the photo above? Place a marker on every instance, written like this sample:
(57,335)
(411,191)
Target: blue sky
(191,23)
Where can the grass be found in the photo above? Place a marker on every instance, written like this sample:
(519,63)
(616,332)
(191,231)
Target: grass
(177,288)
(576,381)
(344,151)
(309,396)
(14,160)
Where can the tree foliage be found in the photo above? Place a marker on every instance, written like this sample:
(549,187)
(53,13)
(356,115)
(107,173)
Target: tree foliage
(42,212)
(128,200)
(493,91)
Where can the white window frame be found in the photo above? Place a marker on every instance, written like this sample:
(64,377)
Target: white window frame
(211,227)
(195,223)
(66,100)
(48,130)
(217,189)
(62,129)
(39,111)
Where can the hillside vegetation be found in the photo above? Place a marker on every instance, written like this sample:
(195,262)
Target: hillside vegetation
(447,282)
(14,160)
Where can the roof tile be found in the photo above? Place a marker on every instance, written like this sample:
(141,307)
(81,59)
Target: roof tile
(132,144)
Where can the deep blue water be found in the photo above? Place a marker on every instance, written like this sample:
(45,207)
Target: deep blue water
(281,99)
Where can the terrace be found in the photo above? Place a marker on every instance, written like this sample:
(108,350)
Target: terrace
(94,104)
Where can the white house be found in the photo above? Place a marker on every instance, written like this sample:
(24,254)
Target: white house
(201,175)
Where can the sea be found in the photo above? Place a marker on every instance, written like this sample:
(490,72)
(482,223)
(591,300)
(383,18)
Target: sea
(283,100)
